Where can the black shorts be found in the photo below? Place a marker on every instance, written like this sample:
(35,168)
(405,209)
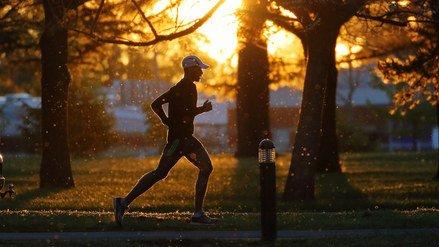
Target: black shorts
(182,146)
(188,147)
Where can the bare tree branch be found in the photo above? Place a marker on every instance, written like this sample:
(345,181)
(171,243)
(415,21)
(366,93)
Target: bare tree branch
(382,20)
(158,38)
(285,23)
(93,27)
(299,8)
(349,8)
(153,30)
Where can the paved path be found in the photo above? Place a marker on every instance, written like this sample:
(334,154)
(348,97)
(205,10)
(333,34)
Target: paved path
(149,235)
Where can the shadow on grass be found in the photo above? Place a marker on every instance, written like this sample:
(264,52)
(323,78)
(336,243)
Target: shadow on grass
(334,192)
(338,192)
(22,199)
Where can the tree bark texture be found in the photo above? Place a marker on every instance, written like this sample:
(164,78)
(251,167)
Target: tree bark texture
(307,147)
(252,98)
(55,170)
(329,156)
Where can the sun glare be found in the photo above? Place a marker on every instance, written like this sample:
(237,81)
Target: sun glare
(344,51)
(220,30)
(341,50)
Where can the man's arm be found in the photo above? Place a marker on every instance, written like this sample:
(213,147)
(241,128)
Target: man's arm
(157,104)
(207,106)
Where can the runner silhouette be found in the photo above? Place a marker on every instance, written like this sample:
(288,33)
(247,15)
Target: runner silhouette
(182,109)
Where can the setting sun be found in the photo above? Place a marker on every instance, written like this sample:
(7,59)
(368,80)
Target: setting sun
(220,31)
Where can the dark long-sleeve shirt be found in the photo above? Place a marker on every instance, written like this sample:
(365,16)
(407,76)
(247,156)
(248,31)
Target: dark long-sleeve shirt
(182,109)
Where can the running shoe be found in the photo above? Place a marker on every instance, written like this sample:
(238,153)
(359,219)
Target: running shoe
(203,219)
(119,210)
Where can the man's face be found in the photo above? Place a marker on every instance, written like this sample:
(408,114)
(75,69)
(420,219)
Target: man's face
(195,73)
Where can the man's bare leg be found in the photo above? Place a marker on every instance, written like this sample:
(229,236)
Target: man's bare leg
(169,158)
(200,158)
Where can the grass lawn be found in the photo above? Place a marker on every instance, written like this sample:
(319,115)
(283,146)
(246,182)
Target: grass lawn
(376,190)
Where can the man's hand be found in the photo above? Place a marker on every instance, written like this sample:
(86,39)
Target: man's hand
(207,106)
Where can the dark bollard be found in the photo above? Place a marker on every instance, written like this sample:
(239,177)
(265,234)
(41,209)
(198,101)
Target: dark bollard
(267,169)
(10,191)
(2,179)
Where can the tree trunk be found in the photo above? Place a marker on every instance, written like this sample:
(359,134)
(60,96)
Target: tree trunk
(329,158)
(252,98)
(306,150)
(55,168)
(437,119)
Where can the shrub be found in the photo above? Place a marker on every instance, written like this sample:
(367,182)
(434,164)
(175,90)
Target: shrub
(90,126)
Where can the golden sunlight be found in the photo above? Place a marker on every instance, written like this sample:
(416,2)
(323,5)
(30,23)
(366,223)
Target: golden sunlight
(345,51)
(403,3)
(220,30)
(124,57)
(341,50)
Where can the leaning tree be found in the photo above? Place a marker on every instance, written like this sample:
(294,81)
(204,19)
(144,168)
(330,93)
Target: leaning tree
(131,23)
(317,23)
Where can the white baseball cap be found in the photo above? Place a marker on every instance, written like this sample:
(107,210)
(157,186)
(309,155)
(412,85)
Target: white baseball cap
(192,60)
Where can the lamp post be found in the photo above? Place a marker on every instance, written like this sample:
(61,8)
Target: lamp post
(267,167)
(2,179)
(10,191)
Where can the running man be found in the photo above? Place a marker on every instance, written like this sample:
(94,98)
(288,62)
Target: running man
(182,109)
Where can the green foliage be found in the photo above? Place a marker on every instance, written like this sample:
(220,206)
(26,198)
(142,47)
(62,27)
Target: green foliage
(156,132)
